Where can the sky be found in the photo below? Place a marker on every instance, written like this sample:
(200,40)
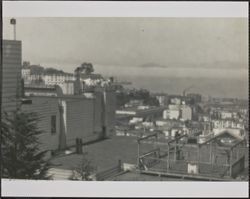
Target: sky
(166,47)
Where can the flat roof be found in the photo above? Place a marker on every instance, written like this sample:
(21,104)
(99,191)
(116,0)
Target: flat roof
(135,176)
(11,41)
(105,154)
(135,109)
(62,97)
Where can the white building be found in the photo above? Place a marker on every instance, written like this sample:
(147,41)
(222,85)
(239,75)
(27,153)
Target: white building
(33,78)
(25,73)
(162,100)
(134,103)
(135,120)
(67,87)
(58,79)
(186,112)
(175,100)
(142,107)
(174,106)
(177,111)
(226,114)
(147,124)
(171,114)
(220,124)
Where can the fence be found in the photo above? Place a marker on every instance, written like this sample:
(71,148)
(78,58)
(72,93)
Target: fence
(184,167)
(238,166)
(111,172)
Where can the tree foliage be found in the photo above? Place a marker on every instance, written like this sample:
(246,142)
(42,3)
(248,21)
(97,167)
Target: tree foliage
(21,155)
(53,71)
(40,70)
(124,97)
(86,68)
(84,170)
(26,64)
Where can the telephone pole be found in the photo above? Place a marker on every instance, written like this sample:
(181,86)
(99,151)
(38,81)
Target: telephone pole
(13,22)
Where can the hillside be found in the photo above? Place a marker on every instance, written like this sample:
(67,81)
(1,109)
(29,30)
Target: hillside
(41,70)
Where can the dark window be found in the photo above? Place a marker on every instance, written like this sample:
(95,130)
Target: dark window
(53,124)
(26,101)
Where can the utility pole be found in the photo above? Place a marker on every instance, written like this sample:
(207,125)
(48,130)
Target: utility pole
(13,22)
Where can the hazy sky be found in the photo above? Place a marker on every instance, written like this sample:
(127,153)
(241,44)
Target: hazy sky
(192,47)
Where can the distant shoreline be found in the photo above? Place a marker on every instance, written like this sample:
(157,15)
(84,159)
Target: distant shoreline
(214,87)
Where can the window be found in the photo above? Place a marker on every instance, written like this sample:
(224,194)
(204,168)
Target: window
(53,124)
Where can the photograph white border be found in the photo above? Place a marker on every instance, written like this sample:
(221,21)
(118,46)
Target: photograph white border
(43,188)
(123,9)
(26,188)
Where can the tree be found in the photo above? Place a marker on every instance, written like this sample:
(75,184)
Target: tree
(84,170)
(26,64)
(21,154)
(122,99)
(53,71)
(36,70)
(151,101)
(87,68)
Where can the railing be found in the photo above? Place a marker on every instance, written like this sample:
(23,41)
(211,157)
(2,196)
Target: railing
(184,167)
(111,172)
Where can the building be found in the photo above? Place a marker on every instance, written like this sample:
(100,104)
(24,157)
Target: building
(162,99)
(25,73)
(32,78)
(226,114)
(57,79)
(67,87)
(47,110)
(238,133)
(174,106)
(11,74)
(174,111)
(63,118)
(134,103)
(154,112)
(136,120)
(42,90)
(49,79)
(109,106)
(227,123)
(175,100)
(171,114)
(186,112)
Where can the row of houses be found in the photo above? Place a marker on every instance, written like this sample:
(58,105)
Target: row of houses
(58,79)
(227,123)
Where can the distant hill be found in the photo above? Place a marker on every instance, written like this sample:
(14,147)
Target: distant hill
(152,65)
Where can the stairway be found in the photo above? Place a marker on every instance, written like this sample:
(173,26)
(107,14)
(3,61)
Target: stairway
(59,174)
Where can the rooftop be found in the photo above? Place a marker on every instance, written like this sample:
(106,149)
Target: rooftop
(102,153)
(135,109)
(135,176)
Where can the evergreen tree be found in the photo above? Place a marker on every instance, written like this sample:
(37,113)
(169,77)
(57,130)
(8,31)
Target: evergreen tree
(20,147)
